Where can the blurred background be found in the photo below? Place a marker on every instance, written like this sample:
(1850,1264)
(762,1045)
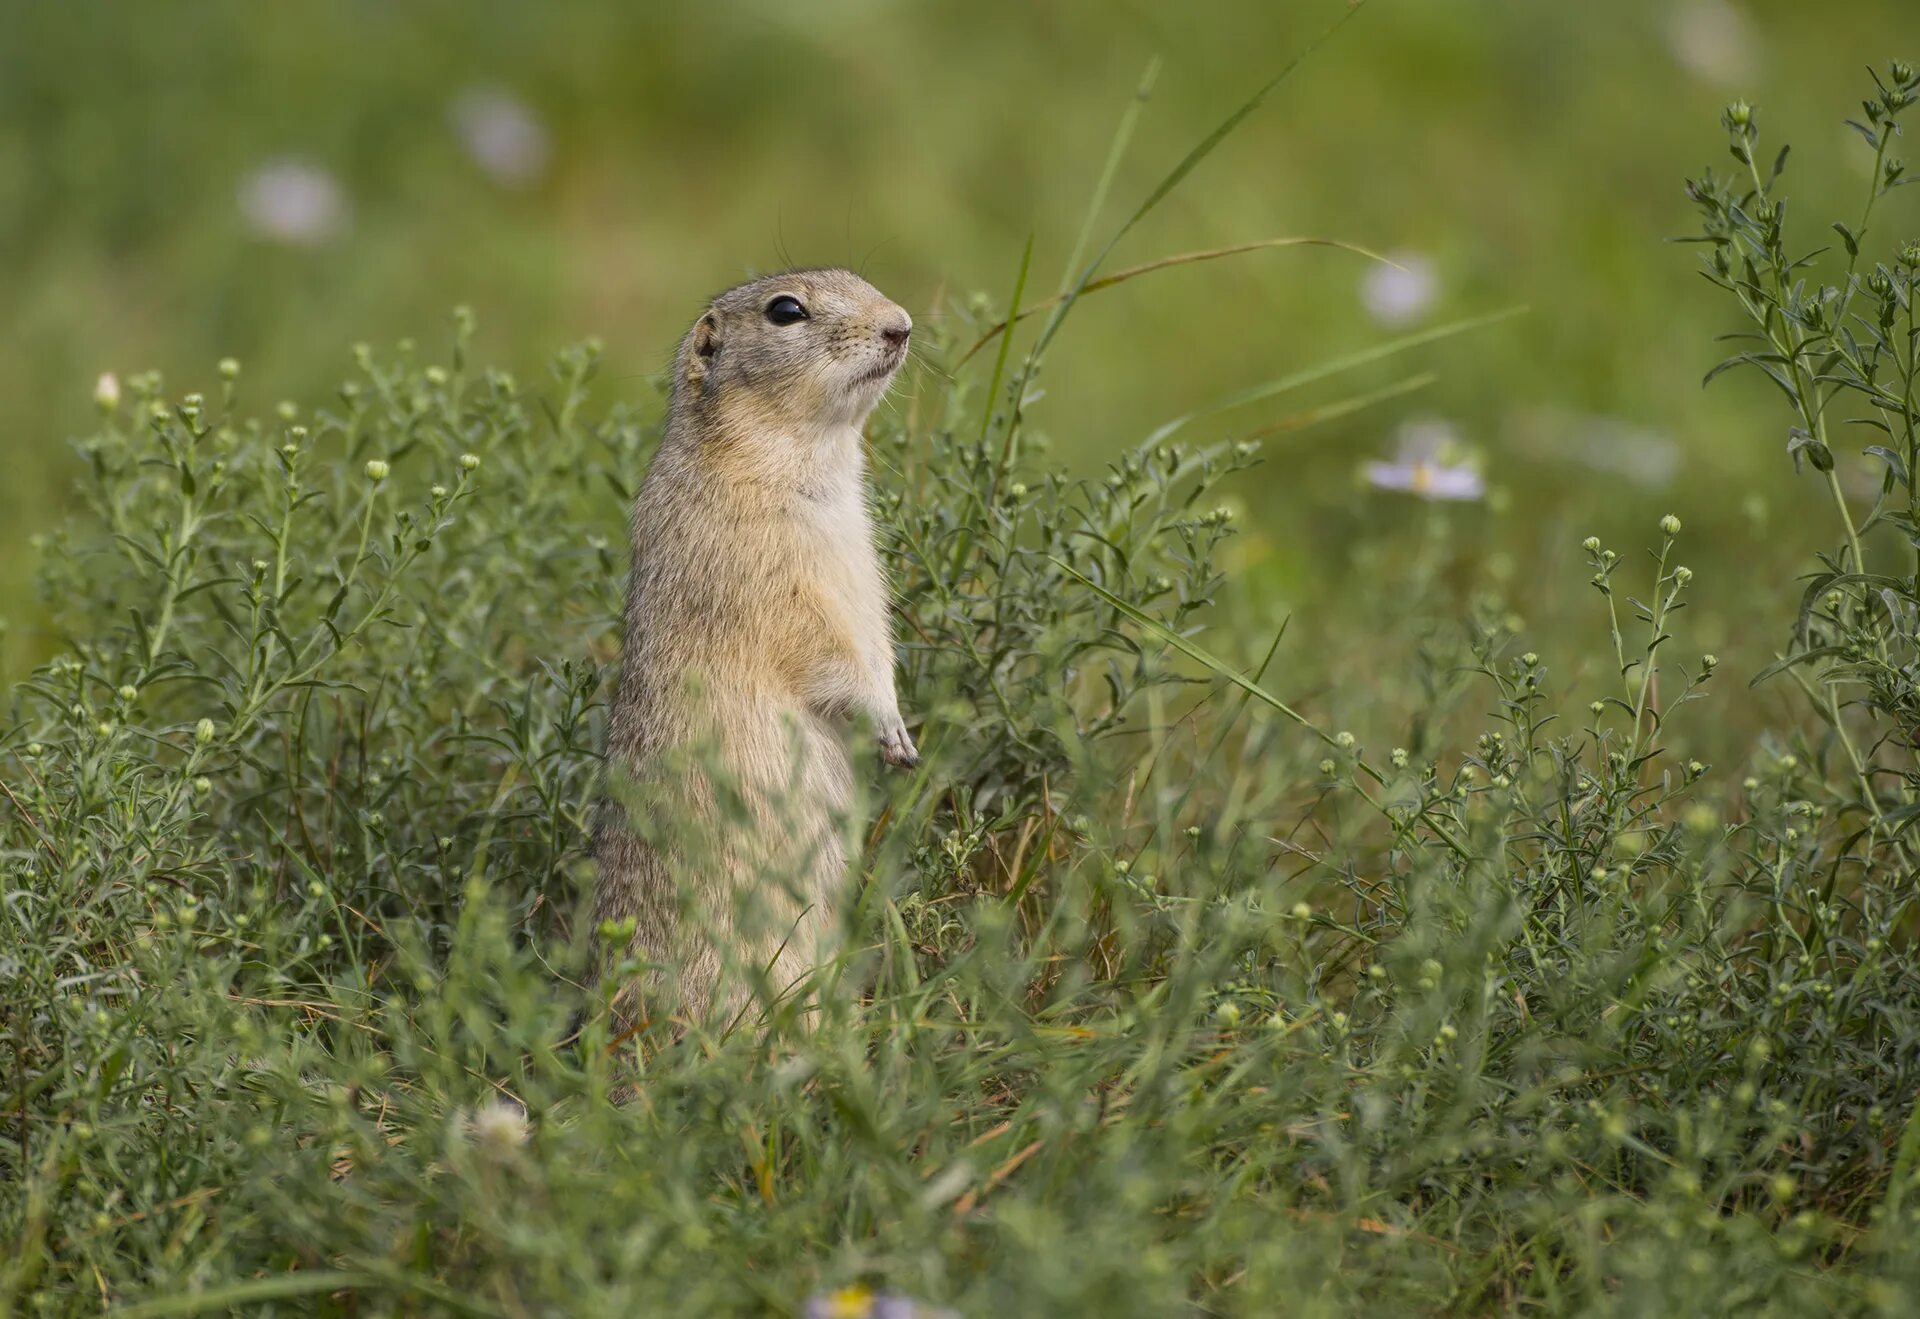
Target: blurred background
(182,184)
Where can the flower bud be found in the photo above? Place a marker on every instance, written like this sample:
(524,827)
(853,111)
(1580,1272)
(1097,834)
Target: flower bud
(128,692)
(470,461)
(377,471)
(203,732)
(1710,662)
(1670,525)
(106,392)
(229,368)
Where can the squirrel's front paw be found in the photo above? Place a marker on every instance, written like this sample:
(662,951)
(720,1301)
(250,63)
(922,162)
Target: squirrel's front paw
(896,747)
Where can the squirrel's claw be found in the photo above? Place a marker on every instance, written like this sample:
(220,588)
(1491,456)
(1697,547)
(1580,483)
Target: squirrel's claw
(897,749)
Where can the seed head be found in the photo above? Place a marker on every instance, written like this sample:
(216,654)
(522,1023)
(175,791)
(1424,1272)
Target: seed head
(498,1128)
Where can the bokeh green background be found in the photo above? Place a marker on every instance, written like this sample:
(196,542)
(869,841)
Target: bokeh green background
(1532,152)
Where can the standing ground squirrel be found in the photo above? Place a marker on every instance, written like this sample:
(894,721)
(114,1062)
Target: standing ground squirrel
(757,624)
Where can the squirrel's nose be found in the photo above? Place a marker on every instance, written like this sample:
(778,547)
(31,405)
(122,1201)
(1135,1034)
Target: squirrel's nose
(896,334)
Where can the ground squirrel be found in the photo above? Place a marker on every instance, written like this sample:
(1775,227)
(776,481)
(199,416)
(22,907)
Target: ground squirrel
(757,624)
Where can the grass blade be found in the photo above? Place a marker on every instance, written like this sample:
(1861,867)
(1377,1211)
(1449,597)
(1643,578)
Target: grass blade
(1321,371)
(1163,263)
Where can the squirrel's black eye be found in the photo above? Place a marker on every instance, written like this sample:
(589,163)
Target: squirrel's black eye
(785,310)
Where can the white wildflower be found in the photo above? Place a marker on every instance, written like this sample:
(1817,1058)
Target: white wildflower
(1713,41)
(501,135)
(293,201)
(1401,293)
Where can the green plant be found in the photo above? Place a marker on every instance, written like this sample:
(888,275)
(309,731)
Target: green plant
(1158,991)
(1844,354)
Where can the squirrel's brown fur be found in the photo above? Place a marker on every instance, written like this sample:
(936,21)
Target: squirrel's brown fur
(757,624)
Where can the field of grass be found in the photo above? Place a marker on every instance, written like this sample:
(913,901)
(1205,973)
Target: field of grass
(1345,874)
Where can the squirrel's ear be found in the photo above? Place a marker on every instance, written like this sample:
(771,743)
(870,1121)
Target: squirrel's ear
(704,343)
(706,337)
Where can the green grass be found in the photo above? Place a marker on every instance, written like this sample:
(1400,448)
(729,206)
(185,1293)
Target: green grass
(1406,957)
(1532,152)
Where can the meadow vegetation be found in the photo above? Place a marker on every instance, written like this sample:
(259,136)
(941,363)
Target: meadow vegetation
(1459,987)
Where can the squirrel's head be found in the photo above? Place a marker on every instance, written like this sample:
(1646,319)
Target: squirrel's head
(803,348)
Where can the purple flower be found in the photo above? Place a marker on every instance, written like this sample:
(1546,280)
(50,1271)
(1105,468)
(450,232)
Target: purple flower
(1428,465)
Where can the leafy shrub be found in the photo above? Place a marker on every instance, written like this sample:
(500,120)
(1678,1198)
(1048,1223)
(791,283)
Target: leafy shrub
(1158,992)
